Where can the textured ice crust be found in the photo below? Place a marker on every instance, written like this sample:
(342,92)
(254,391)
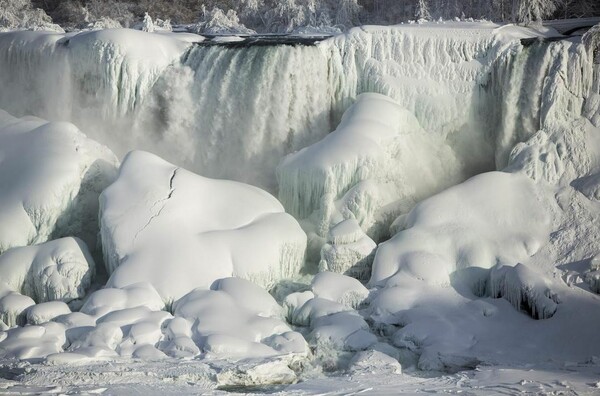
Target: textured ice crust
(178,231)
(60,178)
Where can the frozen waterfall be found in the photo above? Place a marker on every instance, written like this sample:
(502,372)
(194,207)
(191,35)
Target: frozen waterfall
(236,112)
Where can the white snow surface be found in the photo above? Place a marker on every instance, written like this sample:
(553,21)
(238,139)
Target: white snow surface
(60,175)
(179,231)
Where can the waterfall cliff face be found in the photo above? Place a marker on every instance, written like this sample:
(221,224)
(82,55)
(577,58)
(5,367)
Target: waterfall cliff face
(236,112)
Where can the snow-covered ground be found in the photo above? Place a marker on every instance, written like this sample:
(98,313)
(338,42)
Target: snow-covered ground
(442,231)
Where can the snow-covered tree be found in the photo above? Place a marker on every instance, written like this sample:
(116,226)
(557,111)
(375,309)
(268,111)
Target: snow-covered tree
(20,14)
(218,21)
(346,13)
(532,11)
(147,24)
(422,10)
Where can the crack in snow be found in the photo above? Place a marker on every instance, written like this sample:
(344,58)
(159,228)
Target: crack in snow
(162,201)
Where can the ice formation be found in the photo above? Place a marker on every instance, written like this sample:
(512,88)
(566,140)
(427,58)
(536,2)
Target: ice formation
(179,231)
(62,269)
(427,106)
(223,328)
(60,175)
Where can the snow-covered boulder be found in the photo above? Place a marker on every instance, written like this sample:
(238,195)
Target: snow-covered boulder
(51,175)
(178,231)
(45,312)
(224,327)
(348,250)
(13,309)
(378,158)
(31,342)
(62,269)
(494,218)
(109,299)
(339,288)
(371,361)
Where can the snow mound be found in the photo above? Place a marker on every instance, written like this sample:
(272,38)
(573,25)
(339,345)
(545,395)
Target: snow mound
(109,300)
(45,312)
(339,288)
(348,250)
(378,155)
(13,309)
(222,327)
(368,362)
(33,342)
(328,315)
(205,229)
(62,269)
(61,174)
(495,218)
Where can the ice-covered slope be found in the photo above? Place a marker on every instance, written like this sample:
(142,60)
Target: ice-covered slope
(179,231)
(51,175)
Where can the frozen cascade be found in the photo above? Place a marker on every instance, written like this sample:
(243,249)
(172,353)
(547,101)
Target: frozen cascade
(248,107)
(137,90)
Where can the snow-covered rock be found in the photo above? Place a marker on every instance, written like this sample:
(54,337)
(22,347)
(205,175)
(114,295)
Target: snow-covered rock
(62,269)
(348,250)
(222,327)
(178,231)
(339,288)
(51,175)
(495,218)
(13,309)
(378,155)
(371,361)
(135,295)
(45,312)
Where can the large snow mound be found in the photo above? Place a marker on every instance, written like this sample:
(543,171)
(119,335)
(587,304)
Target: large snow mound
(62,269)
(179,231)
(378,157)
(51,176)
(495,218)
